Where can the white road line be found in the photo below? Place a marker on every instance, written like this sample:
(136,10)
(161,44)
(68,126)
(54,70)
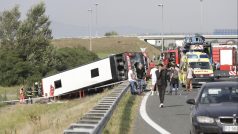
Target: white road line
(145,116)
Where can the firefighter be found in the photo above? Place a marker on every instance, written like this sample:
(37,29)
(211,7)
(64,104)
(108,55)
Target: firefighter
(21,94)
(29,95)
(36,88)
(52,89)
(40,90)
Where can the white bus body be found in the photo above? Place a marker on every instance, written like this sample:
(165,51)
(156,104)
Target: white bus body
(78,78)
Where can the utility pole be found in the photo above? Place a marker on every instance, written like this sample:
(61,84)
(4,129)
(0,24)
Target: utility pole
(90,29)
(201,8)
(96,34)
(162,19)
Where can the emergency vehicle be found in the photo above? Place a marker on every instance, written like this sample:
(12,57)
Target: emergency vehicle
(198,55)
(195,48)
(225,58)
(190,44)
(202,68)
(171,57)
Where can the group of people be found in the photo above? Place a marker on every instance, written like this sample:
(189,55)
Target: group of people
(29,93)
(137,79)
(161,77)
(26,94)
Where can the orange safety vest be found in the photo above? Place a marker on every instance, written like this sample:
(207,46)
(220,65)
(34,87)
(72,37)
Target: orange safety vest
(51,91)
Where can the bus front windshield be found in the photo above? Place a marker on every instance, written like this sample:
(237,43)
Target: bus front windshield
(200,65)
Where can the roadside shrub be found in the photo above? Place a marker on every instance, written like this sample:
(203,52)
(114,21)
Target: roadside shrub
(112,33)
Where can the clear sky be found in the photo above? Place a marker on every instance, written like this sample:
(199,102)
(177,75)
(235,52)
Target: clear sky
(71,17)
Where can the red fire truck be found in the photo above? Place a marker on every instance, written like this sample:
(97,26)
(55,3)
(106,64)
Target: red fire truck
(225,59)
(171,57)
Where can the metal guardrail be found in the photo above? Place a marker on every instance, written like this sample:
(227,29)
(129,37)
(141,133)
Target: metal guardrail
(107,85)
(95,120)
(13,102)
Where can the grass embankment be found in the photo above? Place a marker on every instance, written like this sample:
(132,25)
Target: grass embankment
(9,93)
(108,45)
(45,118)
(124,116)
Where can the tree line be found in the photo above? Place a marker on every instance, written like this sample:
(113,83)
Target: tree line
(26,53)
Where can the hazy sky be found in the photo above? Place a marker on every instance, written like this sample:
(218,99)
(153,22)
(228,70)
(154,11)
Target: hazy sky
(71,17)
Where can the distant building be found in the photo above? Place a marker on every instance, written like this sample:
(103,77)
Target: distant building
(225,32)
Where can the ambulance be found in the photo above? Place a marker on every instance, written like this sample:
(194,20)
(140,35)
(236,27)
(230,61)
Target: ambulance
(201,65)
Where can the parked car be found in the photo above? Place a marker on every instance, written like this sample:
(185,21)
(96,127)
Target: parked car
(215,109)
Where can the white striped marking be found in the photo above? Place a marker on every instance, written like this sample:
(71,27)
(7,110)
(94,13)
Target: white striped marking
(145,116)
(232,73)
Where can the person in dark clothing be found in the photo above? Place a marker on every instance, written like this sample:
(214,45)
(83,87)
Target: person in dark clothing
(140,72)
(29,95)
(162,79)
(174,78)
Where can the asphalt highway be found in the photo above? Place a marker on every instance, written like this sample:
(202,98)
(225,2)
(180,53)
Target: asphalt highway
(174,117)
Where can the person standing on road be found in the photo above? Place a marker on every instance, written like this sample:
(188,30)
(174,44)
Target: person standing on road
(140,71)
(217,66)
(153,79)
(132,80)
(170,70)
(162,79)
(174,78)
(189,85)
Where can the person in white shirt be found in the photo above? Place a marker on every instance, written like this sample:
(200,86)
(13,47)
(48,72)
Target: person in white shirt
(153,79)
(189,85)
(132,80)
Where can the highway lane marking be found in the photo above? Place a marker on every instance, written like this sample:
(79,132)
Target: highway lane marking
(149,121)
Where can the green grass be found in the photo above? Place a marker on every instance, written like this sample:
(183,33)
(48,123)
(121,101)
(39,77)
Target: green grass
(45,118)
(25,113)
(124,116)
(11,93)
(108,45)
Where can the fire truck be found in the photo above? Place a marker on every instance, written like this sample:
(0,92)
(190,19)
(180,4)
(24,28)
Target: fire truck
(194,52)
(225,59)
(171,57)
(190,44)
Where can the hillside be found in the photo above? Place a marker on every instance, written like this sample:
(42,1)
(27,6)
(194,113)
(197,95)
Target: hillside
(108,45)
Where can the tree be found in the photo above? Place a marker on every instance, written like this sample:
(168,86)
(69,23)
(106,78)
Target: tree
(112,33)
(34,35)
(9,23)
(8,62)
(68,58)
(26,54)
